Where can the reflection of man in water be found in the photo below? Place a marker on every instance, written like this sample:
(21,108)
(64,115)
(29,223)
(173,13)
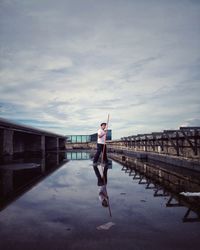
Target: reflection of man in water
(102,182)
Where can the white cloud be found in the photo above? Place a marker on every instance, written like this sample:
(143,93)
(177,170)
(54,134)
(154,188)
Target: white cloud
(71,63)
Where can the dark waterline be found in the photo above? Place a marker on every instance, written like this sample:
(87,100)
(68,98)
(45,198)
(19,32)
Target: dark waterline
(60,209)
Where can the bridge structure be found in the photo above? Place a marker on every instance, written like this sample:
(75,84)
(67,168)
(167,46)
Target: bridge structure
(179,147)
(17,139)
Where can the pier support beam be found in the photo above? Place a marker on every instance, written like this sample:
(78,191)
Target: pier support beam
(7,142)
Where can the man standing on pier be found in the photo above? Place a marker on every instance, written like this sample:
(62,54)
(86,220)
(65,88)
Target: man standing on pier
(101,144)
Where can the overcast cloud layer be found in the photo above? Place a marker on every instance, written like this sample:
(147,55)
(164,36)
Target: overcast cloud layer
(66,64)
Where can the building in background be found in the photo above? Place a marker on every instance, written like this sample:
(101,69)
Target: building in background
(86,138)
(78,138)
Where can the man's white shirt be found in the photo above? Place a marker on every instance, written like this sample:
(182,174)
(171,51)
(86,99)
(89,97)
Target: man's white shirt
(102,139)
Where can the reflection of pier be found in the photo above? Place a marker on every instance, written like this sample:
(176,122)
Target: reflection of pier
(165,182)
(17,178)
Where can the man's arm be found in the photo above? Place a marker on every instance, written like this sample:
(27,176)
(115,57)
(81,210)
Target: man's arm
(100,135)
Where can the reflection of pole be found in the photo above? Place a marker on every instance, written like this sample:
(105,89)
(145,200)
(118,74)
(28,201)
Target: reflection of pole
(109,204)
(102,160)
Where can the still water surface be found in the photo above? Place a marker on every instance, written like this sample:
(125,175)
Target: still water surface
(63,211)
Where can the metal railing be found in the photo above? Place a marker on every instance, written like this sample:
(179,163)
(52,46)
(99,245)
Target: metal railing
(184,142)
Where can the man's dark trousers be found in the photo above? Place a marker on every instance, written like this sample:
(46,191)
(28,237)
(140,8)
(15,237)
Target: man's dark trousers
(99,150)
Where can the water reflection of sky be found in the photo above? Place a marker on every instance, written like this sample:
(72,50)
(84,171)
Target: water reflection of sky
(63,211)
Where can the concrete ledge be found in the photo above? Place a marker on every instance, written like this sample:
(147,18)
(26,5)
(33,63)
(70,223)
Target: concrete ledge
(169,159)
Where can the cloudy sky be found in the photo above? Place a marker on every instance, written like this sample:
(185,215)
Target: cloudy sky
(66,64)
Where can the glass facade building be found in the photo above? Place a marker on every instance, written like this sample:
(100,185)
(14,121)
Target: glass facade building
(78,138)
(86,138)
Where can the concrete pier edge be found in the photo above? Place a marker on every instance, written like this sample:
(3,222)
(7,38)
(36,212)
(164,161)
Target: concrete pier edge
(191,164)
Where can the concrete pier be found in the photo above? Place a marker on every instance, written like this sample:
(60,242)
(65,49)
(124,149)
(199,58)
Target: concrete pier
(17,139)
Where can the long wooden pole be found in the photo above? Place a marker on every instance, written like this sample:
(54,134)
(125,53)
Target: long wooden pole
(104,146)
(102,160)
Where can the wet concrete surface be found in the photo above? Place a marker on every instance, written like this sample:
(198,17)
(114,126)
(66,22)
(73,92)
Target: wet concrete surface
(63,211)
